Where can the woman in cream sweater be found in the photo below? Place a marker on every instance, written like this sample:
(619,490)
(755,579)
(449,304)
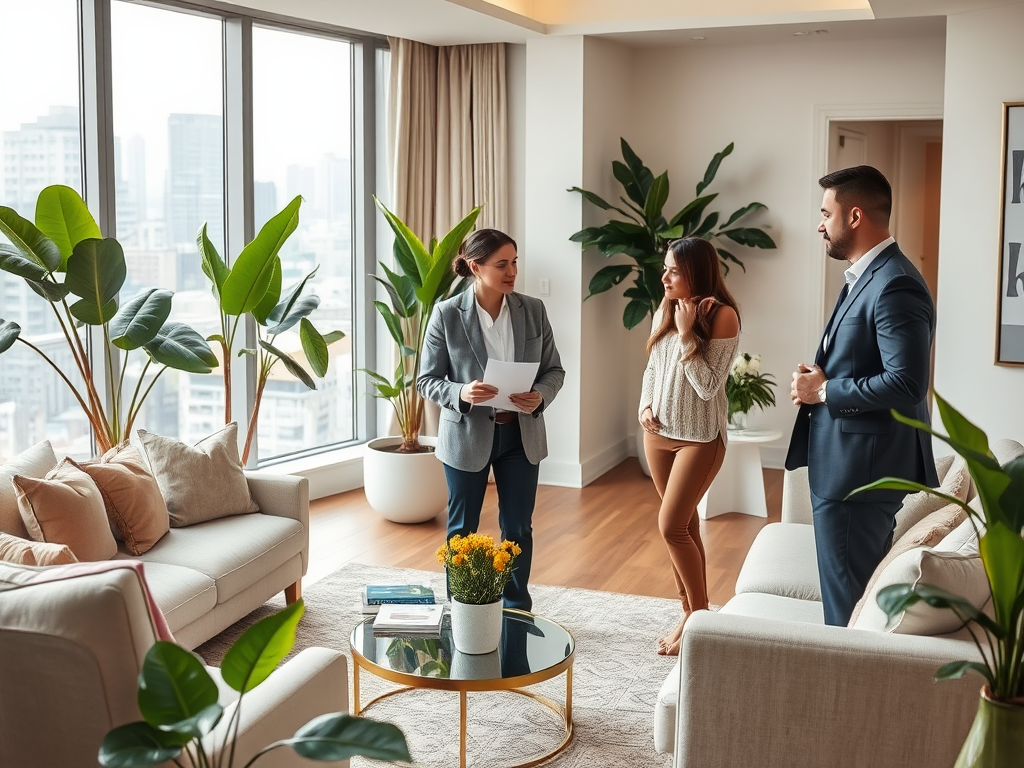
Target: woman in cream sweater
(683,408)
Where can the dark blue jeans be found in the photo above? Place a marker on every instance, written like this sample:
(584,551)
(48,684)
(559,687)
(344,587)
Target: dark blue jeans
(516,481)
(851,538)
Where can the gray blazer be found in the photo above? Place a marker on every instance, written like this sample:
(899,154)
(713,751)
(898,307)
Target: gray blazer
(454,354)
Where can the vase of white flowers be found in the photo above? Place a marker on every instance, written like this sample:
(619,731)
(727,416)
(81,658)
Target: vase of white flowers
(747,387)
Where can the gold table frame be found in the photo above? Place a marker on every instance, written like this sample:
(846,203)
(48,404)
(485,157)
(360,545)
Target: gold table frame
(511,684)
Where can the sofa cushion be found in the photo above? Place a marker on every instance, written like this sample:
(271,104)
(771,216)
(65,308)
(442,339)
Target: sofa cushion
(32,462)
(235,552)
(131,496)
(66,507)
(762,606)
(183,594)
(963,575)
(963,539)
(956,482)
(201,482)
(782,561)
(14,549)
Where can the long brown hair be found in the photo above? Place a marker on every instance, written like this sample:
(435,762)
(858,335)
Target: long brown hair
(697,261)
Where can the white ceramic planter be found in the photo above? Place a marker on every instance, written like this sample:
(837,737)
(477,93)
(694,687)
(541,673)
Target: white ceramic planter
(404,487)
(479,666)
(476,629)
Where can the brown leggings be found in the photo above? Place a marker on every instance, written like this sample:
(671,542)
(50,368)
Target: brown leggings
(682,472)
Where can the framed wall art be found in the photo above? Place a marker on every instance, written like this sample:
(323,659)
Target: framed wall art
(1010,318)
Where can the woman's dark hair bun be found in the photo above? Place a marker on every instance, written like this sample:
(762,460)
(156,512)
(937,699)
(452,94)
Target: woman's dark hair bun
(477,247)
(461,266)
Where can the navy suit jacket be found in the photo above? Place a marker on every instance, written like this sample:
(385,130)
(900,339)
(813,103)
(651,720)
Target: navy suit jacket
(878,358)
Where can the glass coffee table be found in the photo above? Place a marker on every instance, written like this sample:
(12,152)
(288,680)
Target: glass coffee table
(532,649)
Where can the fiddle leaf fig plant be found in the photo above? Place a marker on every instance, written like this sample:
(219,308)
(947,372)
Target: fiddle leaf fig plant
(64,259)
(181,713)
(647,230)
(251,286)
(424,278)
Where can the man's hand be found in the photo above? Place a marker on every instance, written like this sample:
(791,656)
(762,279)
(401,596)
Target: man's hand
(476,392)
(649,421)
(806,380)
(527,402)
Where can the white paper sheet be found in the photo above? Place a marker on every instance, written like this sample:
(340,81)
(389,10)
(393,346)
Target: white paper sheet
(510,379)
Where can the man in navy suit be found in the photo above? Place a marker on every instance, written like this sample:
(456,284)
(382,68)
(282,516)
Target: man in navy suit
(874,356)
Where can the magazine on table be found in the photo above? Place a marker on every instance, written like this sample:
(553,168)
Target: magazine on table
(375,595)
(413,619)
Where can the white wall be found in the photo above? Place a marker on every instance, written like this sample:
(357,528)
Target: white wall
(982,71)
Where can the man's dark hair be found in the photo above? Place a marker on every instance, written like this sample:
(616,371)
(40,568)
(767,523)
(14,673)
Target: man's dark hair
(864,187)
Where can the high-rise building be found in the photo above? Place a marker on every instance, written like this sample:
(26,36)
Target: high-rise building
(42,153)
(264,202)
(195,179)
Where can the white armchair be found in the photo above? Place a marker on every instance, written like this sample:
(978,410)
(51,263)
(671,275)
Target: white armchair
(70,655)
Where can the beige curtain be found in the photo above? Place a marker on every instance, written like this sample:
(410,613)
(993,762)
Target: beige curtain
(448,141)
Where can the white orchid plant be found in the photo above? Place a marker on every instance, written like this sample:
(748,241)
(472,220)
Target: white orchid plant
(747,386)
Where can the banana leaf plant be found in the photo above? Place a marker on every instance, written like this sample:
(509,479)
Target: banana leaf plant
(252,287)
(178,700)
(1000,525)
(424,278)
(66,261)
(647,231)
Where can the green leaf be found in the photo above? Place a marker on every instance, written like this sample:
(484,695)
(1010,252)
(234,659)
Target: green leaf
(96,272)
(712,170)
(63,216)
(635,312)
(179,347)
(625,177)
(954,670)
(254,655)
(285,305)
(707,225)
(743,212)
(269,301)
(755,238)
(13,261)
(726,257)
(896,598)
(173,685)
(656,197)
(400,289)
(315,348)
(212,263)
(442,259)
(608,277)
(333,336)
(1002,551)
(1012,499)
(339,736)
(300,309)
(293,367)
(26,237)
(641,173)
(52,292)
(692,213)
(415,254)
(249,278)
(140,319)
(406,261)
(898,484)
(140,744)
(394,325)
(600,203)
(9,332)
(200,723)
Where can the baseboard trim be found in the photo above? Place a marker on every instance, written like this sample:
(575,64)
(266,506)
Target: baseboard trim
(611,457)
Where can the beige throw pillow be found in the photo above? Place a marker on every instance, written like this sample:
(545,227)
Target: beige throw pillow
(131,496)
(927,533)
(955,482)
(32,462)
(66,507)
(201,482)
(25,552)
(962,575)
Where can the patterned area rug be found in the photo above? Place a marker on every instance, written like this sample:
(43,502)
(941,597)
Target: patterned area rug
(616,677)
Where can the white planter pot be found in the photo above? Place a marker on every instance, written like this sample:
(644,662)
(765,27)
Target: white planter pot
(641,454)
(476,629)
(404,487)
(481,666)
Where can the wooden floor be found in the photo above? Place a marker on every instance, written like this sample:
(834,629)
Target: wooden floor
(604,536)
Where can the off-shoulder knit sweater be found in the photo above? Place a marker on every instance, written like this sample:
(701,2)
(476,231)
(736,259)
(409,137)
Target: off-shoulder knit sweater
(688,397)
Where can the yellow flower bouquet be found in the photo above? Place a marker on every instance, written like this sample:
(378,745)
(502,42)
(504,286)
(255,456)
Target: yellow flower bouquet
(478,569)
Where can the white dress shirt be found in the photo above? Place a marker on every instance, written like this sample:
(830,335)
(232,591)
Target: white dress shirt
(858,268)
(497,332)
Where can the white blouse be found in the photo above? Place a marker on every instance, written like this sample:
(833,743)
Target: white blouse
(688,397)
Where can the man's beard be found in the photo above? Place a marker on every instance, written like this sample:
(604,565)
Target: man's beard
(838,248)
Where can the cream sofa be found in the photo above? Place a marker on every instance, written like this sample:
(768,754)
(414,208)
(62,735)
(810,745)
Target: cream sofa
(763,681)
(70,656)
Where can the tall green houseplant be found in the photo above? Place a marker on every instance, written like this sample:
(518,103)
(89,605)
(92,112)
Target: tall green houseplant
(65,260)
(997,737)
(646,232)
(424,278)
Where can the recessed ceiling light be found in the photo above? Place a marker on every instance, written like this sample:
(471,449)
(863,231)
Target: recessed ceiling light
(698,37)
(800,34)
(821,31)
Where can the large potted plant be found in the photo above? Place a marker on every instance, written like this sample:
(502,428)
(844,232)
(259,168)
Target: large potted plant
(997,736)
(646,232)
(401,478)
(251,287)
(178,700)
(65,260)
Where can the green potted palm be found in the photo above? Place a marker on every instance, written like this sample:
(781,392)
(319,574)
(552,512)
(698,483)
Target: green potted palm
(422,277)
(67,262)
(997,735)
(178,700)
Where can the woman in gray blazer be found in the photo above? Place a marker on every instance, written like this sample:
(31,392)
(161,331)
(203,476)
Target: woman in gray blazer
(490,320)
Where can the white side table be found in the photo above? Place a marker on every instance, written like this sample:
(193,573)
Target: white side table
(739,486)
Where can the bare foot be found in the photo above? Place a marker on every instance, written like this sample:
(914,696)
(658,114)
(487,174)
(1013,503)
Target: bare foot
(669,645)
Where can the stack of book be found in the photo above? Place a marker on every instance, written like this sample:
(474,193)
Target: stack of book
(411,619)
(376,595)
